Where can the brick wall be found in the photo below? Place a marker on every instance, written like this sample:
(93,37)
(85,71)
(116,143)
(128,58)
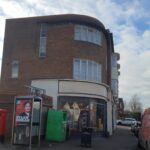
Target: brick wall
(22,43)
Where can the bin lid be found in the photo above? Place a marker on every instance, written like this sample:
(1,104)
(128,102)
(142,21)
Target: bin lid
(3,110)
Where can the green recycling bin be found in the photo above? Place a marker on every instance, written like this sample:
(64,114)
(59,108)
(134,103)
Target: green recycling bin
(56,126)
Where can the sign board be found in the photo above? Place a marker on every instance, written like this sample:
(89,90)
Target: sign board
(23,111)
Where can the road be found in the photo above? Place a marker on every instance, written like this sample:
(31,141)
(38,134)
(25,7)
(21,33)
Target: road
(122,139)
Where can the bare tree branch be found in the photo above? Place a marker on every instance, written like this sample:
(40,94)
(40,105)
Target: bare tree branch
(134,104)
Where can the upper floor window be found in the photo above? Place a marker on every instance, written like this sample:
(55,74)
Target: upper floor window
(43,40)
(87,70)
(114,60)
(85,33)
(114,86)
(15,69)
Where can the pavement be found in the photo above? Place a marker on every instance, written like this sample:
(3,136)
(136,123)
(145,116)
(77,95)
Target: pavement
(122,139)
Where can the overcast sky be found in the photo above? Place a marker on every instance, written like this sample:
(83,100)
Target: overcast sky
(128,20)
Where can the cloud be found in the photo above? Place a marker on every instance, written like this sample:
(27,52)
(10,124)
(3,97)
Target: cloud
(2,28)
(18,8)
(120,16)
(134,49)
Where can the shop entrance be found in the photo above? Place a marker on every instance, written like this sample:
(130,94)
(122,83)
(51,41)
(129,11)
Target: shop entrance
(101,117)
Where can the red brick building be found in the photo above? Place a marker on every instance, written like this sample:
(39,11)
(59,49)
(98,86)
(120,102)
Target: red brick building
(70,56)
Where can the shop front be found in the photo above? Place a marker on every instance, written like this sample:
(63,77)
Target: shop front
(84,112)
(87,103)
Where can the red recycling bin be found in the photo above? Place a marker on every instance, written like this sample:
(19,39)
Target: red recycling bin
(3,115)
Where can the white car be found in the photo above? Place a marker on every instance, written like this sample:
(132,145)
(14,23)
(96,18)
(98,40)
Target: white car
(126,121)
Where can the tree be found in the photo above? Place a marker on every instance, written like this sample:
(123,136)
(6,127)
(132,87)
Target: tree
(134,104)
(126,105)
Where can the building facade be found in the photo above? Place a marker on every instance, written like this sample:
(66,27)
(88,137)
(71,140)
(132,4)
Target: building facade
(72,58)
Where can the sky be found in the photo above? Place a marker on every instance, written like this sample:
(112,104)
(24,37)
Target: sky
(128,20)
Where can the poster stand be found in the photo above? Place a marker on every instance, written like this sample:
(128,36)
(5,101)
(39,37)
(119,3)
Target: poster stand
(27,120)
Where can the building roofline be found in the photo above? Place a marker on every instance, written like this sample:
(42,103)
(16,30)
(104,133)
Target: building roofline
(69,18)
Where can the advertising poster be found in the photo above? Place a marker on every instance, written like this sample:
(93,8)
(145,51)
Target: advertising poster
(22,122)
(23,112)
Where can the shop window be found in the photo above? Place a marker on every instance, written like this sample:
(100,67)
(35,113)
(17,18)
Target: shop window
(83,112)
(15,69)
(85,33)
(74,112)
(87,70)
(43,40)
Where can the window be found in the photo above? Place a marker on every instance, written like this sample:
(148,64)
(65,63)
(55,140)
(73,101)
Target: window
(87,70)
(15,69)
(43,40)
(77,69)
(85,33)
(114,86)
(98,77)
(114,60)
(90,32)
(83,70)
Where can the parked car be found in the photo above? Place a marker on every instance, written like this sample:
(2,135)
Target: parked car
(135,128)
(126,121)
(144,131)
(118,121)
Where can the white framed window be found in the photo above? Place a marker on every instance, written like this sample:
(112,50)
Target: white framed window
(15,69)
(87,70)
(83,73)
(43,40)
(76,68)
(89,34)
(90,74)
(84,34)
(98,70)
(77,32)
